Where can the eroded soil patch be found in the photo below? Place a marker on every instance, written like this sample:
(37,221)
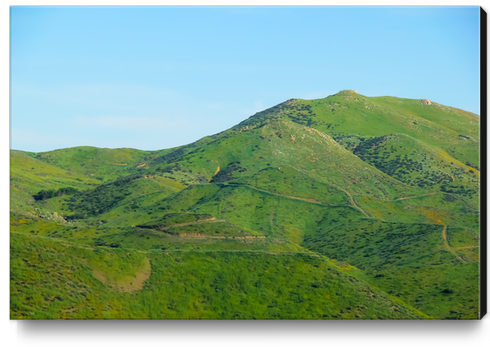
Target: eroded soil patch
(126,284)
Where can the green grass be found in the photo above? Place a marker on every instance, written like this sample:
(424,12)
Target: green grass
(104,163)
(346,207)
(411,161)
(450,209)
(288,182)
(409,261)
(50,280)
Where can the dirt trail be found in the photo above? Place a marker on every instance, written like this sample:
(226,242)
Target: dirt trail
(311,201)
(414,197)
(353,203)
(68,244)
(288,196)
(200,235)
(447,174)
(449,248)
(205,236)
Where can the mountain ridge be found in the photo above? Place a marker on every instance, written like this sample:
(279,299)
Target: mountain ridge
(384,190)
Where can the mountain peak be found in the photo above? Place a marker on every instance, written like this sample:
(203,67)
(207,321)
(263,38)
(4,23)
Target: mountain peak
(347,91)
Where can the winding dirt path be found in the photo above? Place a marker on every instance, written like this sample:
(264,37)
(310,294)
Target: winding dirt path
(249,251)
(353,203)
(166,227)
(447,174)
(205,236)
(414,197)
(312,201)
(433,193)
(449,248)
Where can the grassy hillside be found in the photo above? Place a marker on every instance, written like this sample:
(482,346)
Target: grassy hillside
(277,144)
(349,113)
(28,176)
(346,207)
(96,162)
(412,261)
(53,280)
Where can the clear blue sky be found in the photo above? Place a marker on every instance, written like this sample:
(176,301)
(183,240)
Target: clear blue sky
(159,77)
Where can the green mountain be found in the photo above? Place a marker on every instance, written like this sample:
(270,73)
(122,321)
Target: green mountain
(347,207)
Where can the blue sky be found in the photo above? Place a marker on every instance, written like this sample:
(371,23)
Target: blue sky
(159,77)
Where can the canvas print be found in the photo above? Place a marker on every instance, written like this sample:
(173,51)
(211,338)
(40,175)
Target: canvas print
(245,163)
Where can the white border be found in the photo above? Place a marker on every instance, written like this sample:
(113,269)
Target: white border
(224,333)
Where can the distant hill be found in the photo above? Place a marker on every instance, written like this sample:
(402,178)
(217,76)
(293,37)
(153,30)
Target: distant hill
(346,207)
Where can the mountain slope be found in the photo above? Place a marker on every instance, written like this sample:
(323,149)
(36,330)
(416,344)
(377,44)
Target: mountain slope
(78,283)
(346,207)
(246,151)
(349,113)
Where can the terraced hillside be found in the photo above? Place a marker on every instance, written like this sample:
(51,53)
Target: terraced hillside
(347,207)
